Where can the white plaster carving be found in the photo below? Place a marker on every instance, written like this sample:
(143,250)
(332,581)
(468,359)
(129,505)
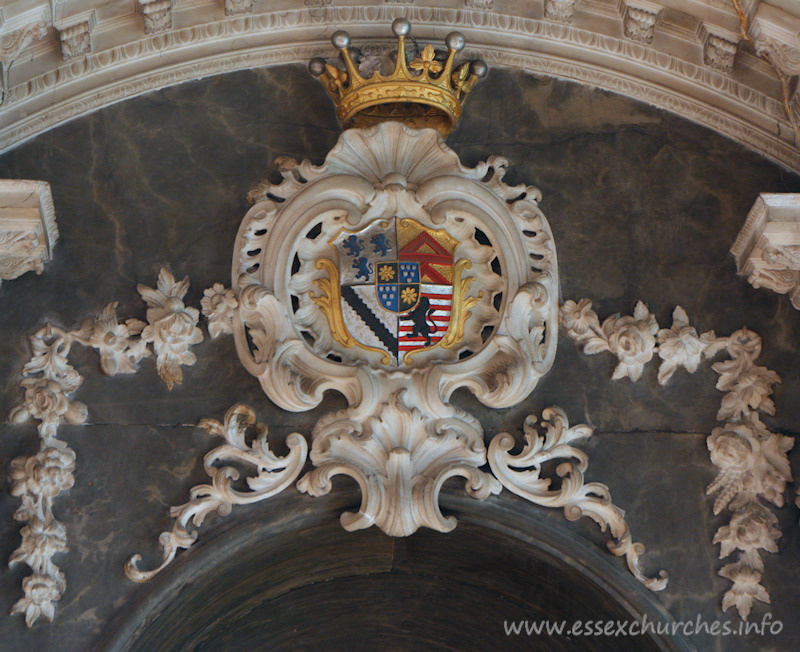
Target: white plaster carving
(681,346)
(639,23)
(238,7)
(400,456)
(631,339)
(751,461)
(38,480)
(75,40)
(485,5)
(218,305)
(28,228)
(116,343)
(157,15)
(273,475)
(767,249)
(48,381)
(171,326)
(589,52)
(562,11)
(521,474)
(13,43)
(719,52)
(399,438)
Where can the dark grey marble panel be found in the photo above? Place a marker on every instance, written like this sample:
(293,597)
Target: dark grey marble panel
(642,204)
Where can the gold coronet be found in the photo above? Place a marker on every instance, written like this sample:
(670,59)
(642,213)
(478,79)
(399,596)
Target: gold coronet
(425,92)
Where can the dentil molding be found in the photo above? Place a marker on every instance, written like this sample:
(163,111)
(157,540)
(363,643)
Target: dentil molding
(685,57)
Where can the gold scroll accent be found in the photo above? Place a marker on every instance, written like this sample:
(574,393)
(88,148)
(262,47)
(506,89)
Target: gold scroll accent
(330,303)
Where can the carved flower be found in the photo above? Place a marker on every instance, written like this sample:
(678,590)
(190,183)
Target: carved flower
(172,327)
(426,61)
(41,593)
(632,340)
(45,401)
(751,528)
(733,449)
(46,474)
(218,305)
(578,318)
(40,541)
(746,588)
(681,346)
(112,340)
(749,388)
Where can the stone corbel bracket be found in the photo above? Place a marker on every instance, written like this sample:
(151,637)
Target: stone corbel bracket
(48,381)
(767,249)
(28,230)
(751,462)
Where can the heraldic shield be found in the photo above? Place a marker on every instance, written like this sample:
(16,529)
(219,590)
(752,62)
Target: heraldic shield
(396,278)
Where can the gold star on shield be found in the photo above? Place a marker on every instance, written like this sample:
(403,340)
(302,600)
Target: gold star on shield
(408,295)
(386,273)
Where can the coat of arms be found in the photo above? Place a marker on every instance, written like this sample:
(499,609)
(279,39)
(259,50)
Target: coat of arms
(398,281)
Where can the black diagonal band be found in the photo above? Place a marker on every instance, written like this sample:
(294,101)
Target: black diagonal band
(372,322)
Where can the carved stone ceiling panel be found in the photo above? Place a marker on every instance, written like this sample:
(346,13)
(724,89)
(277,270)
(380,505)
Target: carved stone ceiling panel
(700,59)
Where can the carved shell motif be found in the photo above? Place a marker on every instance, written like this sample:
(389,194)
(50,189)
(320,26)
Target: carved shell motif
(393,256)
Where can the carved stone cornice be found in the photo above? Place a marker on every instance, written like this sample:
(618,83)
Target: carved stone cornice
(28,228)
(669,73)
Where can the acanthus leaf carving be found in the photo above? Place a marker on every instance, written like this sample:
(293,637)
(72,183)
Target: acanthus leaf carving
(521,474)
(400,457)
(273,475)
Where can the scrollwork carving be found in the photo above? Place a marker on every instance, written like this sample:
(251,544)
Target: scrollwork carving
(521,474)
(273,475)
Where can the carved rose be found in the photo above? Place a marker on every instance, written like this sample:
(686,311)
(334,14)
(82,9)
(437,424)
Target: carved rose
(40,594)
(46,474)
(752,528)
(732,450)
(45,401)
(218,305)
(40,541)
(632,340)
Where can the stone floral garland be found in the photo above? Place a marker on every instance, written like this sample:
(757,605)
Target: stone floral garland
(752,465)
(48,380)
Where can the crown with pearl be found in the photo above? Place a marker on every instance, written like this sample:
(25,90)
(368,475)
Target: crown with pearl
(425,92)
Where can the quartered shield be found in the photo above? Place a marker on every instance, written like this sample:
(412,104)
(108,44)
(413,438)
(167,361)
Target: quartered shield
(396,279)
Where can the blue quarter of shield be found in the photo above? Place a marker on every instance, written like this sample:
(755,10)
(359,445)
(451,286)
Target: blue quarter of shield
(409,272)
(388,295)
